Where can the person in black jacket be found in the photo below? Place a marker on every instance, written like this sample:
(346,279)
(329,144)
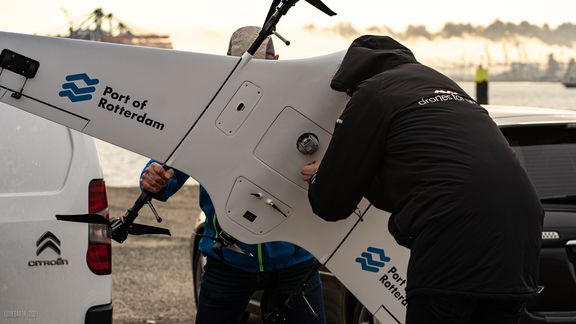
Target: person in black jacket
(415,144)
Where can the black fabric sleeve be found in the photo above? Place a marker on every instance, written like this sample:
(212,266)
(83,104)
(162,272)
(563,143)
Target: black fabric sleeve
(352,159)
(400,238)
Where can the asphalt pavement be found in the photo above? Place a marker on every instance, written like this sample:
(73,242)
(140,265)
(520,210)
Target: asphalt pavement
(152,277)
(152,274)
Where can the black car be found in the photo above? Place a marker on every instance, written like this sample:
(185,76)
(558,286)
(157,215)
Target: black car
(548,153)
(545,142)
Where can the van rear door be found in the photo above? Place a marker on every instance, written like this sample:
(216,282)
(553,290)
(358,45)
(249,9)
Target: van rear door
(45,170)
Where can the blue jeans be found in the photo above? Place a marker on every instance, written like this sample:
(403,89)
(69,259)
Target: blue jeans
(225,292)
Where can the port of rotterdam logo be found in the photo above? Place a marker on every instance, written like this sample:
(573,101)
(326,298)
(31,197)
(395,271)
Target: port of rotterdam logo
(373,260)
(369,263)
(79,87)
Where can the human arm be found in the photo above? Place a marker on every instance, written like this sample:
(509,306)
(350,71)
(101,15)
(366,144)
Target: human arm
(163,183)
(352,159)
(402,239)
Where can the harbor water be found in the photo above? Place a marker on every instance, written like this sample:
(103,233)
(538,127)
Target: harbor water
(122,168)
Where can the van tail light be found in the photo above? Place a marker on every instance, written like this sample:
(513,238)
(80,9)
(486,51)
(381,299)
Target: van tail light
(99,255)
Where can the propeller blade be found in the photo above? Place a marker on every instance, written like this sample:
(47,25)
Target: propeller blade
(140,229)
(84,218)
(321,6)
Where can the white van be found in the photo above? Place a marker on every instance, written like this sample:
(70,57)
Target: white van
(51,271)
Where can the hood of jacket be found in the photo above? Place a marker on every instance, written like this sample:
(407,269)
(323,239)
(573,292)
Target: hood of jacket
(366,57)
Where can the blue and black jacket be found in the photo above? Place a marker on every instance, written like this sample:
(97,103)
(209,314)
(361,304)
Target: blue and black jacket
(266,256)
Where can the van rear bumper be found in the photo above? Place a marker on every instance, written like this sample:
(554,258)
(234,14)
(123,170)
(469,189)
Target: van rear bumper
(101,314)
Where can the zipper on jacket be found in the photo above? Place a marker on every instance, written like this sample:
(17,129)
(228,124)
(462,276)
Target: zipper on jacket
(215,225)
(260,263)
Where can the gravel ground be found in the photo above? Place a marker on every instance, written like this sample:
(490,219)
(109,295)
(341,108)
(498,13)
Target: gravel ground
(152,278)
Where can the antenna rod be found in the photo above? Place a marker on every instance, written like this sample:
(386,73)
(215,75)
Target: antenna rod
(270,25)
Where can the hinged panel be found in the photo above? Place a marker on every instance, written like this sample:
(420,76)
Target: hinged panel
(238,108)
(254,208)
(279,150)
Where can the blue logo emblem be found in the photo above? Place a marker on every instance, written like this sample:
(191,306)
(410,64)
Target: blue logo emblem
(367,261)
(78,93)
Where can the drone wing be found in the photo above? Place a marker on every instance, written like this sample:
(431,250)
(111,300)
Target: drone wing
(126,95)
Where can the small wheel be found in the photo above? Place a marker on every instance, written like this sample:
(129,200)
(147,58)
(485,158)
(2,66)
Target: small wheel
(198,272)
(363,316)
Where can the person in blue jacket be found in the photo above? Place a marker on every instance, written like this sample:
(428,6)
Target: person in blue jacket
(231,277)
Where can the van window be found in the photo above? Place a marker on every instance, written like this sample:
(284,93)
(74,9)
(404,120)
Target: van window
(35,154)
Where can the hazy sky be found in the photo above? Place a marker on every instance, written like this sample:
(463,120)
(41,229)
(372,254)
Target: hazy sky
(200,25)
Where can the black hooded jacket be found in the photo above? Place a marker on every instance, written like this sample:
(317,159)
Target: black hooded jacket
(416,145)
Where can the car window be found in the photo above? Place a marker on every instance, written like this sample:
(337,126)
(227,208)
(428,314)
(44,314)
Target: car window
(35,154)
(548,154)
